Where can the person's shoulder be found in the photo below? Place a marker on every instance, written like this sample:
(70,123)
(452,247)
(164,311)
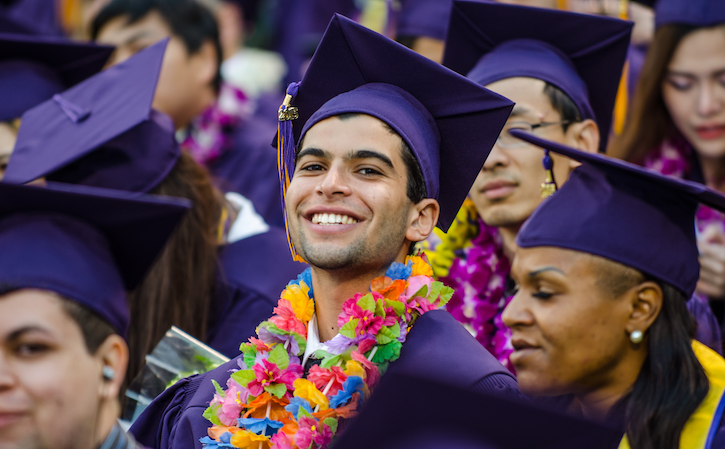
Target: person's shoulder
(175,418)
(438,347)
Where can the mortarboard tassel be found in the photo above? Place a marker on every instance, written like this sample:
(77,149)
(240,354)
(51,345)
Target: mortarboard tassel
(548,187)
(74,112)
(286,153)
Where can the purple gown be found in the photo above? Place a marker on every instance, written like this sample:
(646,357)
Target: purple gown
(437,347)
(254,272)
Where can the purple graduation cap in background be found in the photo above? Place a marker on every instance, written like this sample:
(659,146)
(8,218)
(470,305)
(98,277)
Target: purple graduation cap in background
(34,68)
(472,420)
(101,132)
(625,213)
(88,245)
(427,18)
(449,122)
(699,13)
(583,55)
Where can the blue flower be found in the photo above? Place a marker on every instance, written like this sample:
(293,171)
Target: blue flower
(399,271)
(263,426)
(307,277)
(295,404)
(210,443)
(349,387)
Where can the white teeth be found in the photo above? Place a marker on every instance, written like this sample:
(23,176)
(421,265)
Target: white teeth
(332,219)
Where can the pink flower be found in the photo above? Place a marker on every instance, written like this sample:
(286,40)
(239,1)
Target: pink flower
(280,440)
(312,431)
(286,319)
(322,376)
(231,403)
(368,323)
(372,374)
(267,373)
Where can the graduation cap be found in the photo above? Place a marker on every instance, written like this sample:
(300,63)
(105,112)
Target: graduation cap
(424,18)
(581,54)
(648,218)
(449,122)
(698,13)
(34,68)
(87,244)
(470,420)
(101,132)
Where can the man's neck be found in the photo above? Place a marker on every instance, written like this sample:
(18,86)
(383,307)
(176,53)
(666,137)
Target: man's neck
(508,236)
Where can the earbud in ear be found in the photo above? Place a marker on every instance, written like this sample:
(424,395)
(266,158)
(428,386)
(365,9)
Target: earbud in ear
(108,373)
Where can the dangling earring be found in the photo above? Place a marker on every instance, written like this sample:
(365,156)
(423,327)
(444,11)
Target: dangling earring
(636,337)
(548,187)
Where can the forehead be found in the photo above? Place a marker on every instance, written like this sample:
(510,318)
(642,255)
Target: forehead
(119,31)
(34,308)
(527,93)
(700,50)
(358,132)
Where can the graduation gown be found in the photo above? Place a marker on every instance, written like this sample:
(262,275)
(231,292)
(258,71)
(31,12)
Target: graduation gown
(437,347)
(253,273)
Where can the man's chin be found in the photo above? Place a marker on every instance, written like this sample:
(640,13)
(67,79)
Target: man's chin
(500,216)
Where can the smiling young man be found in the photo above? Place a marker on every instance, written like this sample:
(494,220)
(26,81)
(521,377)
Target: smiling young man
(379,158)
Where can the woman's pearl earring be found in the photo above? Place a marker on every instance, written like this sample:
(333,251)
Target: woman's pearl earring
(636,337)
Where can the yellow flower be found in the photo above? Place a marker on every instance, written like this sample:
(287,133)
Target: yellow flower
(247,439)
(307,390)
(420,266)
(298,296)
(354,368)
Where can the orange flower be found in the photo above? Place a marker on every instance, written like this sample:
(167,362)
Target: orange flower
(215,432)
(390,289)
(257,408)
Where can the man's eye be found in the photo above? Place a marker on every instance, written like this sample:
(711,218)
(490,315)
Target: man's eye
(313,167)
(368,171)
(542,295)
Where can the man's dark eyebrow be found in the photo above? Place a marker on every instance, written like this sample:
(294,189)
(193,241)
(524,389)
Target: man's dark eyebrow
(16,334)
(314,152)
(137,36)
(535,273)
(369,154)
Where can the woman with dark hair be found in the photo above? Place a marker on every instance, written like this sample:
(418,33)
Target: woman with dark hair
(676,124)
(69,255)
(599,322)
(222,271)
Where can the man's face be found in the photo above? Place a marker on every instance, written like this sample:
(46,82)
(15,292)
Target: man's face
(508,188)
(184,88)
(49,383)
(347,205)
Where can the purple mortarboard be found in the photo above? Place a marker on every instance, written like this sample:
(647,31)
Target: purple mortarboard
(101,132)
(581,54)
(424,18)
(449,122)
(622,212)
(34,68)
(698,13)
(471,420)
(87,244)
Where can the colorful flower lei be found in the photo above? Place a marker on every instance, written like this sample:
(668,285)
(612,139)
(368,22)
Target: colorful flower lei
(268,403)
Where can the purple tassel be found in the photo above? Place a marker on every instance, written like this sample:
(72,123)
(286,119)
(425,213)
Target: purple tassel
(286,152)
(74,112)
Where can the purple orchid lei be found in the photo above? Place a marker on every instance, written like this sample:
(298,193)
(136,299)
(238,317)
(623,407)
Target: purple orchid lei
(478,277)
(673,158)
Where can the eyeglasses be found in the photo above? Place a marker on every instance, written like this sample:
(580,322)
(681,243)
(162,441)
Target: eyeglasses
(506,140)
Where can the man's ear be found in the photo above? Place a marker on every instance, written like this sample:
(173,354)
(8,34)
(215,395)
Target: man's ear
(646,302)
(583,136)
(422,219)
(207,62)
(113,358)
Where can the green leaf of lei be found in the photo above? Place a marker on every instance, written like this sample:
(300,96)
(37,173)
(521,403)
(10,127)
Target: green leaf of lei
(243,376)
(367,302)
(278,355)
(387,353)
(398,307)
(348,329)
(329,361)
(250,353)
(446,294)
(276,389)
(388,334)
(331,423)
(423,292)
(211,414)
(218,389)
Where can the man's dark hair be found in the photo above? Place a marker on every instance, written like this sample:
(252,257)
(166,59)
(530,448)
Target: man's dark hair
(416,184)
(563,104)
(190,21)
